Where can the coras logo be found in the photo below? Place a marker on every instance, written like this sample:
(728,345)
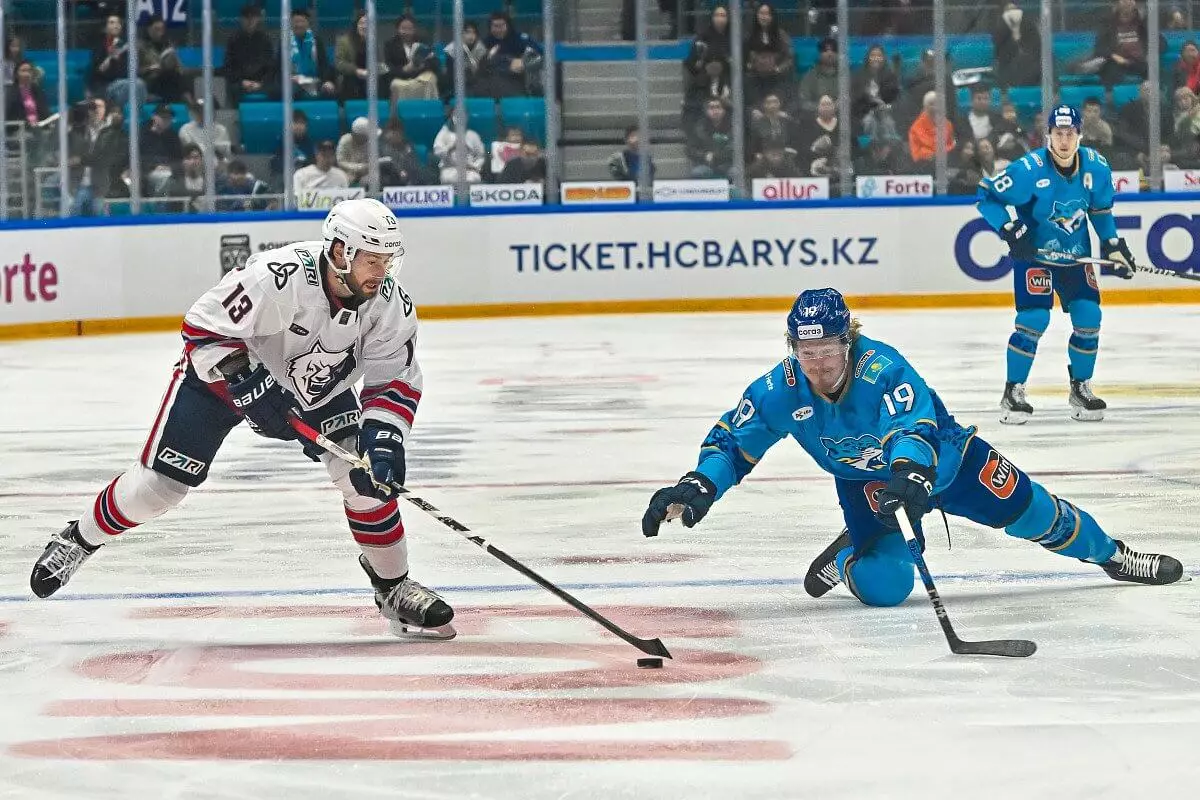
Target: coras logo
(1039,281)
(998,475)
(28,282)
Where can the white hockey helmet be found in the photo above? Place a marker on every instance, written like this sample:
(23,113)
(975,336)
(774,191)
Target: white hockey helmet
(363,224)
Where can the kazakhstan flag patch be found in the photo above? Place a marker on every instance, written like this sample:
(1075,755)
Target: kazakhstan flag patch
(876,366)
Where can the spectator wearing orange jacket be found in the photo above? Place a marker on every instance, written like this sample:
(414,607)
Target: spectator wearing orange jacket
(922,136)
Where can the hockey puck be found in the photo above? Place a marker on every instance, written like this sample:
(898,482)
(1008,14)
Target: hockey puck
(649,663)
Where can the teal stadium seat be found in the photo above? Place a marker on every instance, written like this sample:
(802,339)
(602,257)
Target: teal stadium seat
(481,117)
(180,109)
(422,119)
(1075,95)
(1125,93)
(262,123)
(1027,99)
(528,113)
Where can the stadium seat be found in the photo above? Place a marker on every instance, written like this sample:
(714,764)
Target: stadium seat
(1125,93)
(180,109)
(422,119)
(481,117)
(262,123)
(529,113)
(1027,99)
(1075,95)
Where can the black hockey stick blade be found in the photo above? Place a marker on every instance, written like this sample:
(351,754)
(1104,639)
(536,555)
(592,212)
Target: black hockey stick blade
(1008,648)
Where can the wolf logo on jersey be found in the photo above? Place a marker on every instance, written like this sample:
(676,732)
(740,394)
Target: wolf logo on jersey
(861,452)
(314,374)
(1068,216)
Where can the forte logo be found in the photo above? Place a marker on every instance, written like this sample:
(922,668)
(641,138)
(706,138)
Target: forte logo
(28,282)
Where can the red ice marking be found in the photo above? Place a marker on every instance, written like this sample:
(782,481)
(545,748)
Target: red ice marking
(677,622)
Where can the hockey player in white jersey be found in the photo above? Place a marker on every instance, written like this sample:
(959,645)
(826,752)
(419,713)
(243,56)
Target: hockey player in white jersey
(290,333)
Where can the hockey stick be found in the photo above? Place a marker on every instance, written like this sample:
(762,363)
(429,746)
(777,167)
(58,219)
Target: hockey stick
(1108,262)
(1010,648)
(653,647)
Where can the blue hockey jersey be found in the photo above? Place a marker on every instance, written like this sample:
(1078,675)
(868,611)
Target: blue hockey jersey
(1055,207)
(885,413)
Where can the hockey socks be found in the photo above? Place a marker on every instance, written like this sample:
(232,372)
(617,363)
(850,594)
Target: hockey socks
(1061,527)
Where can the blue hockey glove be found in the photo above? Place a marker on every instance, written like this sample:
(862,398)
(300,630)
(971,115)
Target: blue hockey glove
(1019,239)
(1117,250)
(910,488)
(263,402)
(694,492)
(382,445)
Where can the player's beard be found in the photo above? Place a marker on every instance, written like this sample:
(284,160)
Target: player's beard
(360,292)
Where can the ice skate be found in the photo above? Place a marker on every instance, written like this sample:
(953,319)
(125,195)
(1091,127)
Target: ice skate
(1149,568)
(1014,408)
(823,573)
(1085,406)
(61,559)
(412,610)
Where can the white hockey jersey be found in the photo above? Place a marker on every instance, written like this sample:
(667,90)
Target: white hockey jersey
(278,309)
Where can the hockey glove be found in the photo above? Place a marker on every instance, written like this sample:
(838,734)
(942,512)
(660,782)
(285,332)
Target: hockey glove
(263,402)
(910,488)
(694,492)
(382,445)
(1117,250)
(1019,239)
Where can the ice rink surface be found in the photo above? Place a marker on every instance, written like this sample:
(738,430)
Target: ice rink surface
(231,649)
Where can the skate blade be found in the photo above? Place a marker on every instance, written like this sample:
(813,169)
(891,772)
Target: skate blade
(1015,417)
(405,631)
(1083,415)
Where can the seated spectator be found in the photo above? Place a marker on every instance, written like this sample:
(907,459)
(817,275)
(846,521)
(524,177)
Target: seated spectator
(108,75)
(1035,137)
(303,148)
(350,60)
(187,183)
(509,65)
(1017,42)
(1185,140)
(1187,68)
(1122,44)
(884,155)
(450,164)
(985,155)
(411,64)
(873,89)
(311,74)
(822,79)
(1096,132)
(964,172)
(398,162)
(14,54)
(251,60)
(770,67)
(710,143)
(528,167)
(242,187)
(626,164)
(706,69)
(353,149)
(1011,143)
(771,124)
(160,148)
(99,153)
(159,65)
(506,149)
(194,132)
(981,121)
(922,136)
(817,145)
(776,160)
(469,44)
(323,173)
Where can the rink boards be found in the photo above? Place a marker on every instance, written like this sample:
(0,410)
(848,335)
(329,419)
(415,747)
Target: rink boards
(126,274)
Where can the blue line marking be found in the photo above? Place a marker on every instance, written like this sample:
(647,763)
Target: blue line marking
(1005,578)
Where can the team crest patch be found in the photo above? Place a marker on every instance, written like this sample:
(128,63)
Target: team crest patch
(861,452)
(872,490)
(1089,272)
(1038,281)
(318,372)
(1068,217)
(875,368)
(789,375)
(999,475)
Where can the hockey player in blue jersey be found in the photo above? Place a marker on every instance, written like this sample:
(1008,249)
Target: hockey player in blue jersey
(866,417)
(1043,202)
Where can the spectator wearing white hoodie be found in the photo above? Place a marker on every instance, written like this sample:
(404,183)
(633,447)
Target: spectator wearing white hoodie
(445,150)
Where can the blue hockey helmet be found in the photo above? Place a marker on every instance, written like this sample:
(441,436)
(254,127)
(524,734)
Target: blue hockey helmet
(1064,116)
(818,314)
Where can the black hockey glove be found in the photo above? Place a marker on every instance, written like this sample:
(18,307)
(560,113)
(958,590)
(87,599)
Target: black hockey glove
(383,446)
(910,488)
(694,492)
(1117,250)
(1019,239)
(263,402)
